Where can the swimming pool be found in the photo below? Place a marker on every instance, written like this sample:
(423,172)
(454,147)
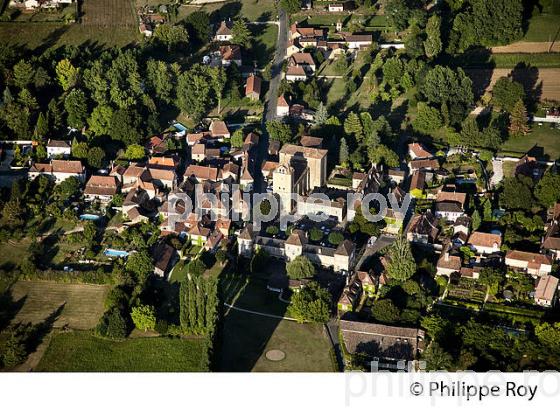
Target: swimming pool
(115,252)
(89,217)
(180,127)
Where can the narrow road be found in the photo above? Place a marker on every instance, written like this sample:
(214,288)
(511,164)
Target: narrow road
(269,113)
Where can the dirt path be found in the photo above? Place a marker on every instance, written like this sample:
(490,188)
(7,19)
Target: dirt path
(528,47)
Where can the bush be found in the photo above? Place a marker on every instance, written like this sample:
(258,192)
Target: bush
(336,238)
(112,325)
(162,327)
(272,230)
(315,234)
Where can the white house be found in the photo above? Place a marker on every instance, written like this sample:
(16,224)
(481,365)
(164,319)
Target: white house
(546,291)
(485,243)
(534,264)
(59,170)
(57,148)
(282,107)
(336,7)
(296,73)
(224,32)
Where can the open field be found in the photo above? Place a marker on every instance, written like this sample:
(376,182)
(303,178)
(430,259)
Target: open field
(247,337)
(82,305)
(108,13)
(528,47)
(12,253)
(544,27)
(484,79)
(104,23)
(252,10)
(263,43)
(83,352)
(541,137)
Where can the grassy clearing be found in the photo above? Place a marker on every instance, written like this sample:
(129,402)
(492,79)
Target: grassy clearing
(541,137)
(82,305)
(83,352)
(537,60)
(247,338)
(543,27)
(12,253)
(263,43)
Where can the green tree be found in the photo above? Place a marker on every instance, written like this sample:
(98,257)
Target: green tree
(385,311)
(336,238)
(75,105)
(41,127)
(125,81)
(321,114)
(300,267)
(23,73)
(518,120)
(27,99)
(171,36)
(311,304)
(506,92)
(144,317)
(548,189)
(66,74)
(315,234)
(67,189)
(401,265)
(196,267)
(96,157)
(414,42)
(398,13)
(241,33)
(160,80)
(435,325)
(140,264)
(427,120)
(198,26)
(237,138)
(112,325)
(353,126)
(134,152)
(125,126)
(383,155)
(343,152)
(517,193)
(490,276)
(433,45)
(476,220)
(436,358)
(278,131)
(13,351)
(290,6)
(100,120)
(194,88)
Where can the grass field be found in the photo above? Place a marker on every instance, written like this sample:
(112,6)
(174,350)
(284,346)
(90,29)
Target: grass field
(541,136)
(104,23)
(263,43)
(252,10)
(247,337)
(544,27)
(83,352)
(82,305)
(12,253)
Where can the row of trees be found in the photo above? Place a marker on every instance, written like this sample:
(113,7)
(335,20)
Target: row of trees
(199,305)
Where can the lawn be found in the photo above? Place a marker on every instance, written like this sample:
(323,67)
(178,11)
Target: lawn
(12,253)
(543,27)
(336,93)
(541,137)
(81,305)
(263,43)
(247,337)
(252,10)
(83,352)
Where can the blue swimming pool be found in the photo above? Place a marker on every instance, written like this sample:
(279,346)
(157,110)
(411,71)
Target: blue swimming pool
(89,217)
(180,127)
(115,252)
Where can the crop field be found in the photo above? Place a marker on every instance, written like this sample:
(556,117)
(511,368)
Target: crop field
(547,79)
(82,352)
(80,305)
(108,13)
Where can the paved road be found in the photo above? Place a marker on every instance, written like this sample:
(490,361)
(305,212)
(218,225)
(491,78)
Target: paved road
(271,98)
(497,166)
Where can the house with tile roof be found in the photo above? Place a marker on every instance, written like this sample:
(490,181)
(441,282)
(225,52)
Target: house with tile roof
(546,292)
(58,170)
(535,264)
(485,243)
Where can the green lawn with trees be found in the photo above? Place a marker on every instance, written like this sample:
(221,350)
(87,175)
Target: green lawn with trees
(83,352)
